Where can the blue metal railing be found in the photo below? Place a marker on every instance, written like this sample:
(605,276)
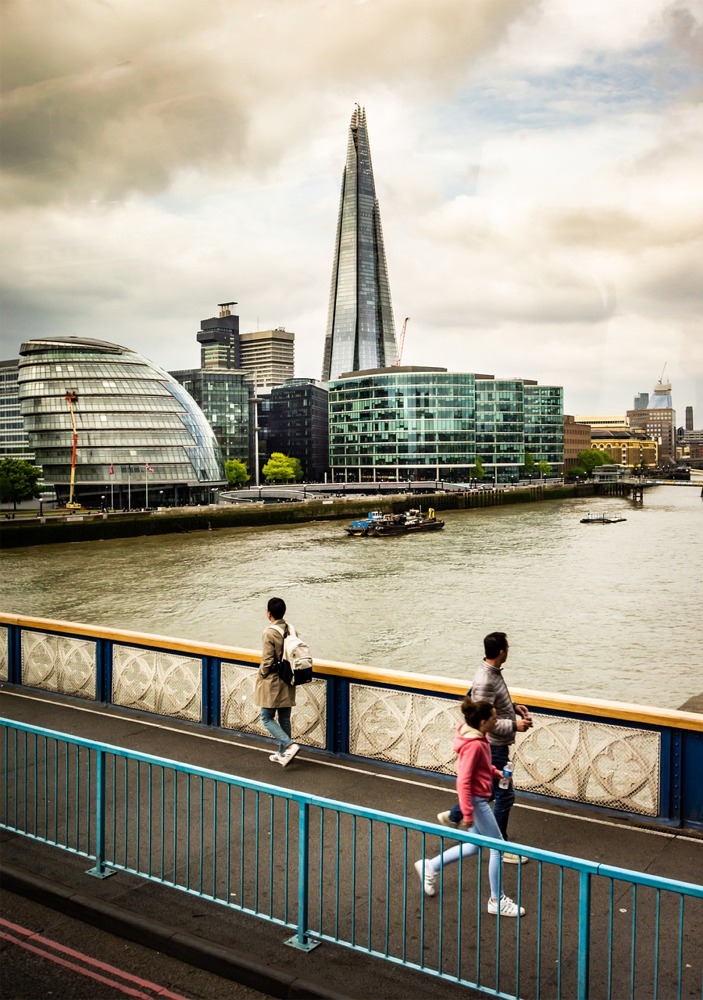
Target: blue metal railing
(341,873)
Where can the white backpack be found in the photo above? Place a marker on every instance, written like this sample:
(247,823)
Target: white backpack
(295,668)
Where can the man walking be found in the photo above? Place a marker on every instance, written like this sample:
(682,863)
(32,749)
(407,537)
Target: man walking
(272,694)
(489,685)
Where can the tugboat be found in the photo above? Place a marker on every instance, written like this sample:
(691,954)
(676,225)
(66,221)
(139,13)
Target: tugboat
(415,520)
(602,519)
(389,524)
(365,525)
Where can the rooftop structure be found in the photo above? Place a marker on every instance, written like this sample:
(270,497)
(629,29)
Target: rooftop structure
(360,328)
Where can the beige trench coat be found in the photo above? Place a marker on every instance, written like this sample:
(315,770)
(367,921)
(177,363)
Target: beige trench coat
(270,690)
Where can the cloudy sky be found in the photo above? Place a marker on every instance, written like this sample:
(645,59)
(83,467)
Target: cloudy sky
(538,165)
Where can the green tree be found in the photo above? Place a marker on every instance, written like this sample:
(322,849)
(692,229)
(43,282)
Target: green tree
(478,471)
(576,472)
(279,468)
(530,467)
(544,468)
(19,480)
(591,458)
(236,472)
(297,469)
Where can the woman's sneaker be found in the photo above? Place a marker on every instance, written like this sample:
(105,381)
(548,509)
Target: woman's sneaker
(507,907)
(427,876)
(289,754)
(445,818)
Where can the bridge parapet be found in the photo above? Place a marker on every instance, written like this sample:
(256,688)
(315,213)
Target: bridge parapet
(617,757)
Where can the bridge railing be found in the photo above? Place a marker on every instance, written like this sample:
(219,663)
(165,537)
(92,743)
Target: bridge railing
(330,871)
(625,759)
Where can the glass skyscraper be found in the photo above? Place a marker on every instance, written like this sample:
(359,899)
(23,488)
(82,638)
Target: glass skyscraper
(360,327)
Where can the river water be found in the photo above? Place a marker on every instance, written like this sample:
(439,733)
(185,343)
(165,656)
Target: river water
(606,611)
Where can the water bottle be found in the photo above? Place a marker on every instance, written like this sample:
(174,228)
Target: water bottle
(507,775)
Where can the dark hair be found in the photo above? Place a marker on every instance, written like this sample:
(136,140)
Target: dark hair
(494,644)
(276,607)
(475,712)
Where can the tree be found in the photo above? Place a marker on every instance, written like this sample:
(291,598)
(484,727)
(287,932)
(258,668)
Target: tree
(530,466)
(19,480)
(279,468)
(478,471)
(236,472)
(297,469)
(544,468)
(591,458)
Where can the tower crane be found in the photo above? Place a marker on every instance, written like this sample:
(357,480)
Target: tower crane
(71,397)
(401,342)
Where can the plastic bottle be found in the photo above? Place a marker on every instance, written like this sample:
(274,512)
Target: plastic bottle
(507,775)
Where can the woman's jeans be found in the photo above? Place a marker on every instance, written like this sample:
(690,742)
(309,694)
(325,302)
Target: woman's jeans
(279,730)
(504,797)
(484,824)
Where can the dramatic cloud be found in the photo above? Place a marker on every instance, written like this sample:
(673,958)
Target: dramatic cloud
(537,164)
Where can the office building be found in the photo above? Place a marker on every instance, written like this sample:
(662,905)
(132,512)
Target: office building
(629,449)
(642,401)
(360,331)
(658,424)
(544,423)
(223,396)
(294,420)
(14,441)
(267,357)
(500,426)
(689,418)
(141,438)
(219,340)
(577,438)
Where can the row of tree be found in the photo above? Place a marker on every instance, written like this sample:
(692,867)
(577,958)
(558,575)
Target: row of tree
(280,468)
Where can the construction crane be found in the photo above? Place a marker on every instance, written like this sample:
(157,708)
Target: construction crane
(71,398)
(401,341)
(661,377)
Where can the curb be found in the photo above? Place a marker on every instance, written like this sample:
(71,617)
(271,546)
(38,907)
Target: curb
(188,948)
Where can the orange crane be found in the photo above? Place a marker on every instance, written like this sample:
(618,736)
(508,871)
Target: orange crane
(71,398)
(401,343)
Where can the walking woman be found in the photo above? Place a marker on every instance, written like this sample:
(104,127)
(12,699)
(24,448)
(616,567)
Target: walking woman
(474,783)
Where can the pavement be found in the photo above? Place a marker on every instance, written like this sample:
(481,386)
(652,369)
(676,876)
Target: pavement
(250,950)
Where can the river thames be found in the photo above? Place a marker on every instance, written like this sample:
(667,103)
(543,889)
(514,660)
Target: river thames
(604,611)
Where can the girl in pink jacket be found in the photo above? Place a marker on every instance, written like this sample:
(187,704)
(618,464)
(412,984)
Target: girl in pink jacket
(474,784)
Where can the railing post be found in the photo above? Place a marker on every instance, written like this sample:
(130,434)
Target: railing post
(301,939)
(100,870)
(584,935)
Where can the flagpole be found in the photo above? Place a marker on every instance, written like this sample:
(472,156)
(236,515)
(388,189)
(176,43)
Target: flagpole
(112,486)
(129,487)
(146,482)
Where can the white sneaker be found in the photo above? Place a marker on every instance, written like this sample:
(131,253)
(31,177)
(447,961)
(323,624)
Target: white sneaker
(507,907)
(289,754)
(427,876)
(515,859)
(445,819)
(277,758)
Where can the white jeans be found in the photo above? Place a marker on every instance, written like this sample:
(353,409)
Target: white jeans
(484,824)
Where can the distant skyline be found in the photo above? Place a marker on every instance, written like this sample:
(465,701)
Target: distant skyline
(537,163)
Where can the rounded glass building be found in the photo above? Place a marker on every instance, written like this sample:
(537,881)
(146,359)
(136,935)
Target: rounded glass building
(140,438)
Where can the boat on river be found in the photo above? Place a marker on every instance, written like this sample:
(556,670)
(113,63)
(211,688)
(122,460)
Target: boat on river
(602,519)
(378,524)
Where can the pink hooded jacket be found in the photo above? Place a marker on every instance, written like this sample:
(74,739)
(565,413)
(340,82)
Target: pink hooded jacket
(474,771)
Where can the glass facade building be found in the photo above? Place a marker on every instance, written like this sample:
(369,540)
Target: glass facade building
(427,423)
(360,328)
(223,396)
(294,420)
(402,423)
(138,430)
(14,441)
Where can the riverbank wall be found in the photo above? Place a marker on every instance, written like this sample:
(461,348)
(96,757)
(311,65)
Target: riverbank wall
(90,527)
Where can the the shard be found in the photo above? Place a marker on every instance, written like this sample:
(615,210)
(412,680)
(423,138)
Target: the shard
(360,328)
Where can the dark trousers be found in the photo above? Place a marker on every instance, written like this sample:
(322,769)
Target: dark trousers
(504,797)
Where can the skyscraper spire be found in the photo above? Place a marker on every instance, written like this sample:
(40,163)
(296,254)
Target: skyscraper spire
(360,328)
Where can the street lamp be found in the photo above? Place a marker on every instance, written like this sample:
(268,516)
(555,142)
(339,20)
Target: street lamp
(102,504)
(161,498)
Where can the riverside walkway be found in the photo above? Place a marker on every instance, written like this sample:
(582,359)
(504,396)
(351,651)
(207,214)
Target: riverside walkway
(249,949)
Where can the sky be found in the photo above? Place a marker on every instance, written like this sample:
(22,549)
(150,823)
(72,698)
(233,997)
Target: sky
(538,166)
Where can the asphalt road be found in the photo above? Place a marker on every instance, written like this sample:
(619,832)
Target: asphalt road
(71,960)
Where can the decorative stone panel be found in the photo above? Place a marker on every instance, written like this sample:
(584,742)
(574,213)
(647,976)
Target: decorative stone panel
(159,682)
(605,765)
(4,655)
(309,719)
(58,663)
(402,727)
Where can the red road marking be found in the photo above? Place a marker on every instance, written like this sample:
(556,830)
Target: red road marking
(160,991)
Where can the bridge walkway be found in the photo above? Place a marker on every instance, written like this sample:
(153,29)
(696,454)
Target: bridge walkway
(252,950)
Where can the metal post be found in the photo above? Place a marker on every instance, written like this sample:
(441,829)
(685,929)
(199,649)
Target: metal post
(301,941)
(100,870)
(129,487)
(584,935)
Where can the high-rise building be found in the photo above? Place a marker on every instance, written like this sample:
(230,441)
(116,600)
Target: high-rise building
(267,356)
(689,418)
(659,424)
(294,420)
(223,396)
(219,339)
(360,329)
(661,397)
(642,401)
